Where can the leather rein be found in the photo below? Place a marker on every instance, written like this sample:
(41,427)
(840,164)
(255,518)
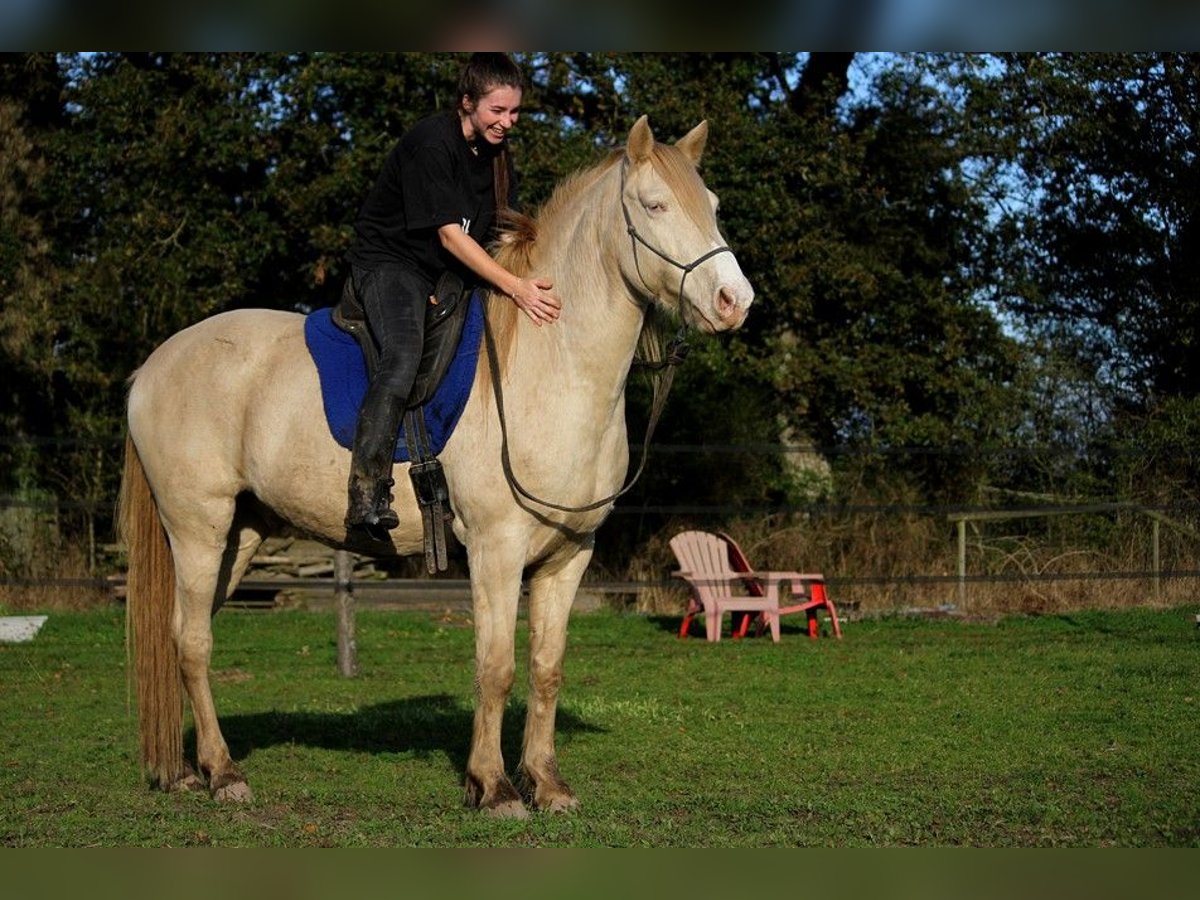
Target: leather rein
(677,350)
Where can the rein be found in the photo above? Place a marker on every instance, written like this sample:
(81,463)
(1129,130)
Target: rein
(677,351)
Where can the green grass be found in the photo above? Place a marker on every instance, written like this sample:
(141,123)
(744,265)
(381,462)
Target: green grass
(1074,730)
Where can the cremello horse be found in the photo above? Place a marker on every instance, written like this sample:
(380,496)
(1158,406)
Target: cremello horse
(226,442)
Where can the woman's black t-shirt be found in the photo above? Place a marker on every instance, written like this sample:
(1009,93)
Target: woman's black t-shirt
(430,179)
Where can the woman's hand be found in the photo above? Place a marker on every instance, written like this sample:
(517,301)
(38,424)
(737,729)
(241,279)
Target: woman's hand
(532,295)
(534,298)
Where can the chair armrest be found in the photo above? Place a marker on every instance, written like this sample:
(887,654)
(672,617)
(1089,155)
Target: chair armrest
(708,577)
(783,576)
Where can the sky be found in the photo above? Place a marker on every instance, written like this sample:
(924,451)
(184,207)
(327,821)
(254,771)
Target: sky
(584,24)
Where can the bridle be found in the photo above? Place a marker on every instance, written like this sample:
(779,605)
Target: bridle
(635,239)
(677,350)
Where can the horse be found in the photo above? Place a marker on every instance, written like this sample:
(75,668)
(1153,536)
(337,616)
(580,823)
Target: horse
(223,448)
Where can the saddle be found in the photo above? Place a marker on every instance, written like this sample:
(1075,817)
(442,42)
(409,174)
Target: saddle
(444,317)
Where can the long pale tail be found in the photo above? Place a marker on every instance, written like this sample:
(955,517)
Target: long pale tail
(149,602)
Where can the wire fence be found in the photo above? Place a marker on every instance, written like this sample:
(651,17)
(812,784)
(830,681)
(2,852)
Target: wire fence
(1154,564)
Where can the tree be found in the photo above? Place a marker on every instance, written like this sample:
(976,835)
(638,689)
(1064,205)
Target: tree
(157,188)
(1100,212)
(862,234)
(1106,231)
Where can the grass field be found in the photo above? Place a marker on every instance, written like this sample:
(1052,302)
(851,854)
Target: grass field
(1072,730)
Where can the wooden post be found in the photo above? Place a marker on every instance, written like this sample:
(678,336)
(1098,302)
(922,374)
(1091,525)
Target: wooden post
(1155,554)
(347,646)
(962,563)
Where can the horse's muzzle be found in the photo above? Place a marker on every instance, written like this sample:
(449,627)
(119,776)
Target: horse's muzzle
(733,305)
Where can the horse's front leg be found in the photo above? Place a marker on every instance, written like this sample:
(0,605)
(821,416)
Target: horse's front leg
(551,594)
(495,590)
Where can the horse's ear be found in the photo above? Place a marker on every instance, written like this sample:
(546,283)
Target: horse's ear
(641,140)
(692,143)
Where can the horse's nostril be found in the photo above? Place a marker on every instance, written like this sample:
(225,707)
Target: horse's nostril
(726,303)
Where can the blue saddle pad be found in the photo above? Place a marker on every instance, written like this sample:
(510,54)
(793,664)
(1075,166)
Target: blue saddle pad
(343,375)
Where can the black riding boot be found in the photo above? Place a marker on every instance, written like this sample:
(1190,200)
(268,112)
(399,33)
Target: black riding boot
(371,465)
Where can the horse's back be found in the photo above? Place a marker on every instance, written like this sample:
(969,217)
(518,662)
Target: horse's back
(232,405)
(224,347)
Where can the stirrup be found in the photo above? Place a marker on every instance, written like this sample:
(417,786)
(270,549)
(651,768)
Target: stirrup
(376,524)
(382,516)
(431,490)
(385,518)
(378,518)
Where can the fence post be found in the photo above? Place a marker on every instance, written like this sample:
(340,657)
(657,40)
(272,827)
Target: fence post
(347,646)
(962,562)
(1155,555)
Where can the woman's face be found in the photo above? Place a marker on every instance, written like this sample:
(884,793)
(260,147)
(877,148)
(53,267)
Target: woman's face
(494,114)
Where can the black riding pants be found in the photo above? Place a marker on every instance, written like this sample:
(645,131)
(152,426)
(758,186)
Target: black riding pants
(394,298)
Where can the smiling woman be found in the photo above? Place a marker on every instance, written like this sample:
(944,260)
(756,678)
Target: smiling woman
(490,116)
(432,210)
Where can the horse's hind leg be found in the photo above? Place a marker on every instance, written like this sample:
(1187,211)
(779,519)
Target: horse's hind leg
(206,573)
(551,594)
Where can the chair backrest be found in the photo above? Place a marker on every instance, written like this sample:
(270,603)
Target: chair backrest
(704,559)
(737,559)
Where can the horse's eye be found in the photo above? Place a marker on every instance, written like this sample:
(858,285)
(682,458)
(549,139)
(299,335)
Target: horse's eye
(655,206)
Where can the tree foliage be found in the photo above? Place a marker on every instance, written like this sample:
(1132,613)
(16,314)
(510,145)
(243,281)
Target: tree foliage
(1097,204)
(949,251)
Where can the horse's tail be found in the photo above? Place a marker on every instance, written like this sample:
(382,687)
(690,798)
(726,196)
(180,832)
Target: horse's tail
(149,604)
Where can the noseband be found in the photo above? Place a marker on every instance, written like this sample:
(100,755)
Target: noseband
(635,239)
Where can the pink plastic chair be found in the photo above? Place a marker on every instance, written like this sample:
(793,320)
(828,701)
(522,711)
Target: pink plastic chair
(722,581)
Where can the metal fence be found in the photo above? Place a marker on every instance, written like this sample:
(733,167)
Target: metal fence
(1156,572)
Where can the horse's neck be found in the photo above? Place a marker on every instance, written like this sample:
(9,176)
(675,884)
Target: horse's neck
(601,318)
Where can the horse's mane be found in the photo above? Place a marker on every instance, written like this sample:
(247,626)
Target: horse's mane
(517,241)
(518,233)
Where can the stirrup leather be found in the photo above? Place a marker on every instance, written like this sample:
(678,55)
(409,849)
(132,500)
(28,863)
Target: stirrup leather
(429,486)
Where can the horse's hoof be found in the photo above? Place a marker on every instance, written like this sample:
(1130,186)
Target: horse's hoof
(564,804)
(187,784)
(234,792)
(553,795)
(508,809)
(231,788)
(501,802)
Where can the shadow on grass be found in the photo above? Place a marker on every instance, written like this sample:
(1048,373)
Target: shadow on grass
(433,724)
(787,625)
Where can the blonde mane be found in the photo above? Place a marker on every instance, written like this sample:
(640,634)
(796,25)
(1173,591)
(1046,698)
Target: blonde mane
(518,233)
(516,245)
